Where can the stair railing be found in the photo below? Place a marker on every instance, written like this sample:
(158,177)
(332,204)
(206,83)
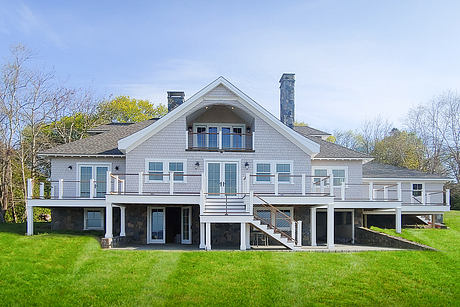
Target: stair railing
(277,214)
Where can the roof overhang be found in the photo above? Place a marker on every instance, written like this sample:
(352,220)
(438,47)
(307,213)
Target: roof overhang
(406,179)
(50,155)
(130,142)
(364,160)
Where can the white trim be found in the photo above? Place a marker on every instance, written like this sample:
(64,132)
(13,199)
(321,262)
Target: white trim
(273,164)
(149,225)
(189,241)
(132,141)
(165,162)
(219,127)
(85,218)
(364,160)
(93,174)
(80,155)
(407,179)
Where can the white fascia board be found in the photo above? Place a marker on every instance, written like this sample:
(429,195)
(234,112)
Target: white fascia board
(80,156)
(132,141)
(367,179)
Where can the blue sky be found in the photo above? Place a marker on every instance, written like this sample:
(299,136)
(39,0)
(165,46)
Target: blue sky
(352,59)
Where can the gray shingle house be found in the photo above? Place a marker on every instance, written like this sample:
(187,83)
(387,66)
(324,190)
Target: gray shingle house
(219,169)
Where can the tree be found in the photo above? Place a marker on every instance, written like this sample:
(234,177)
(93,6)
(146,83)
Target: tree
(401,149)
(125,109)
(349,139)
(300,124)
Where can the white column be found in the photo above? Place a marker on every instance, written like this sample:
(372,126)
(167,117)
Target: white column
(186,139)
(140,187)
(115,184)
(399,191)
(448,197)
(248,236)
(253,141)
(353,226)
(220,139)
(423,194)
(299,233)
(330,225)
(30,220)
(385,192)
(108,220)
(398,219)
(313,226)
(248,182)
(371,190)
(208,236)
(321,185)
(331,185)
(202,235)
(122,221)
(243,237)
(251,202)
(303,184)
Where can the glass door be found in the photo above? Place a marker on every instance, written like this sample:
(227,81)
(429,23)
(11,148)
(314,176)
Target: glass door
(157,225)
(186,228)
(96,172)
(222,179)
(101,180)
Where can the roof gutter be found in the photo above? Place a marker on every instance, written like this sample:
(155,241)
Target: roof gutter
(80,155)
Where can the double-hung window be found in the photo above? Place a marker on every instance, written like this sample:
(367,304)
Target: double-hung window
(417,189)
(339,176)
(320,175)
(178,169)
(284,172)
(263,172)
(155,171)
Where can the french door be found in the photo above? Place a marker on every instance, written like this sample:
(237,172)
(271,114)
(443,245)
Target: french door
(186,225)
(222,179)
(96,172)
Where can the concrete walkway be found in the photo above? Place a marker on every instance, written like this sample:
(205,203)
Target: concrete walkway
(339,248)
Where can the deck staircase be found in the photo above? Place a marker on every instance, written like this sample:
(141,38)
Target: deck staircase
(232,207)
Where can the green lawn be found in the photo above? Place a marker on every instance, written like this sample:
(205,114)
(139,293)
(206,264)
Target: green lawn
(63,269)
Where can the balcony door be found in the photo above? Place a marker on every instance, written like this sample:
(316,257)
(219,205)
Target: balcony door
(222,178)
(208,136)
(98,172)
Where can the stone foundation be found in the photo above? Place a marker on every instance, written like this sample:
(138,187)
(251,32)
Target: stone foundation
(370,237)
(115,242)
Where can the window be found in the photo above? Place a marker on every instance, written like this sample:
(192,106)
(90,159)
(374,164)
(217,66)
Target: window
(178,169)
(321,173)
(201,137)
(237,137)
(155,171)
(263,172)
(417,189)
(94,219)
(339,176)
(278,219)
(86,174)
(283,170)
(213,136)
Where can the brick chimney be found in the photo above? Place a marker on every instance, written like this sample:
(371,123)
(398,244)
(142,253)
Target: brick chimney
(287,82)
(175,99)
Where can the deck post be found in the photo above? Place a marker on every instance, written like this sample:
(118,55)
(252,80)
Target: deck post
(276,183)
(251,202)
(331,185)
(202,235)
(342,190)
(248,236)
(243,237)
(61,188)
(171,183)
(220,139)
(91,188)
(122,221)
(108,183)
(108,220)
(385,192)
(30,188)
(42,190)
(253,140)
(321,185)
(303,184)
(299,233)
(30,220)
(399,191)
(313,226)
(371,190)
(248,182)
(186,139)
(208,236)
(398,219)
(447,197)
(116,185)
(140,187)
(423,194)
(202,202)
(330,225)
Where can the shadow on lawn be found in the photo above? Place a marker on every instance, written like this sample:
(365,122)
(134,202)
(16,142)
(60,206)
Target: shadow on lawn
(44,228)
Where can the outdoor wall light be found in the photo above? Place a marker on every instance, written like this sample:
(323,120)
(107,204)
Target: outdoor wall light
(197,164)
(117,168)
(70,167)
(246,165)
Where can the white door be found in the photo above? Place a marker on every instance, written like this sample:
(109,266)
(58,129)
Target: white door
(222,179)
(156,225)
(186,225)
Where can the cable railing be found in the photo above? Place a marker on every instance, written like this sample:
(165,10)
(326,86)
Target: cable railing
(219,141)
(287,184)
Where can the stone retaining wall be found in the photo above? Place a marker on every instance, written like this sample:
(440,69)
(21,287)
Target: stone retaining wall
(370,237)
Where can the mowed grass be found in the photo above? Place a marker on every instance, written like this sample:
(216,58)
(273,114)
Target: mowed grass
(62,269)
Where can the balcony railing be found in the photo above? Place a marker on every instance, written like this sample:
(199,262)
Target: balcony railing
(206,141)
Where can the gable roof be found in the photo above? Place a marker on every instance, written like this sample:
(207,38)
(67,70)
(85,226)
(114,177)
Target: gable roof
(132,141)
(307,130)
(330,150)
(383,171)
(101,144)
